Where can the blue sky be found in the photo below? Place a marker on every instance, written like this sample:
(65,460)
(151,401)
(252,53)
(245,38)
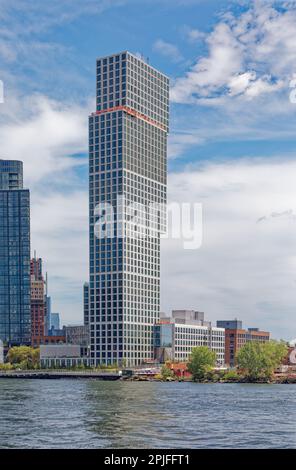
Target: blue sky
(231,145)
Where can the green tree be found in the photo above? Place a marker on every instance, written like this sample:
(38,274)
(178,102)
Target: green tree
(202,360)
(258,361)
(6,366)
(25,356)
(166,372)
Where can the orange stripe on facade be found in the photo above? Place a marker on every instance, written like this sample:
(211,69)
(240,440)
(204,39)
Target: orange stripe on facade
(131,112)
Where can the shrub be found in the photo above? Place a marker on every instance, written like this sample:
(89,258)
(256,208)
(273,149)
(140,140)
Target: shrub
(231,376)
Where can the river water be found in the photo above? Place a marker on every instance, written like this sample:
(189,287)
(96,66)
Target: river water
(95,414)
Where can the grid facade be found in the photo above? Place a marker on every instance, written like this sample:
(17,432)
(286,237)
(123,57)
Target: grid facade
(11,174)
(15,313)
(235,339)
(175,341)
(86,304)
(128,158)
(186,337)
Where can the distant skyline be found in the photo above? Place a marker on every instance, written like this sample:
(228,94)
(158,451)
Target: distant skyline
(231,147)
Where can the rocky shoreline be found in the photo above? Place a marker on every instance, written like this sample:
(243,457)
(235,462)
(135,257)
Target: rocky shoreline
(275,381)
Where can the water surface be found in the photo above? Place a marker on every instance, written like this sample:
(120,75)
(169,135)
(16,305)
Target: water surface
(95,414)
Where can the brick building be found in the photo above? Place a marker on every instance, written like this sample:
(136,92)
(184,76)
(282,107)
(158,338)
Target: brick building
(236,337)
(38,302)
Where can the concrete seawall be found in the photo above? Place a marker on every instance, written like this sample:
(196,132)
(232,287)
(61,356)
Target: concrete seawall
(59,375)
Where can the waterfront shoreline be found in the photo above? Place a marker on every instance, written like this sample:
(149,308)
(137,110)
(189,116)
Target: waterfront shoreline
(57,375)
(115,376)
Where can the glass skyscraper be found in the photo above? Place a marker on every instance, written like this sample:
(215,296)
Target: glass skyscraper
(127,158)
(15,313)
(11,174)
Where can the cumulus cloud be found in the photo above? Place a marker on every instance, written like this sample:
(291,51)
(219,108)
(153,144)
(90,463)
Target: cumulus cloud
(193,34)
(210,73)
(59,230)
(179,143)
(240,88)
(168,50)
(45,134)
(50,137)
(248,84)
(244,269)
(249,54)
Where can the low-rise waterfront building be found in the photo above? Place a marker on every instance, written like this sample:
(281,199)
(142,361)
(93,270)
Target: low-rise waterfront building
(62,356)
(176,336)
(236,337)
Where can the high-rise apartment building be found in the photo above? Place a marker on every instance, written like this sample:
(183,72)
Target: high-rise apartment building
(38,303)
(127,158)
(15,314)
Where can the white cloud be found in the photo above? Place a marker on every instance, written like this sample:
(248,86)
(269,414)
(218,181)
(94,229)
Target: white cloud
(193,35)
(252,53)
(38,16)
(168,50)
(248,84)
(7,52)
(212,72)
(44,134)
(240,82)
(263,85)
(180,142)
(244,269)
(59,231)
(50,137)
(239,90)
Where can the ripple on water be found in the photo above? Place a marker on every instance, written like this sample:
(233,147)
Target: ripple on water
(94,414)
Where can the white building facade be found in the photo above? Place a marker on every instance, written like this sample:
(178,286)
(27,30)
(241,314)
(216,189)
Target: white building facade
(176,336)
(186,337)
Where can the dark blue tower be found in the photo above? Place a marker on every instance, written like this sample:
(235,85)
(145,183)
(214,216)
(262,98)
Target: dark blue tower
(15,311)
